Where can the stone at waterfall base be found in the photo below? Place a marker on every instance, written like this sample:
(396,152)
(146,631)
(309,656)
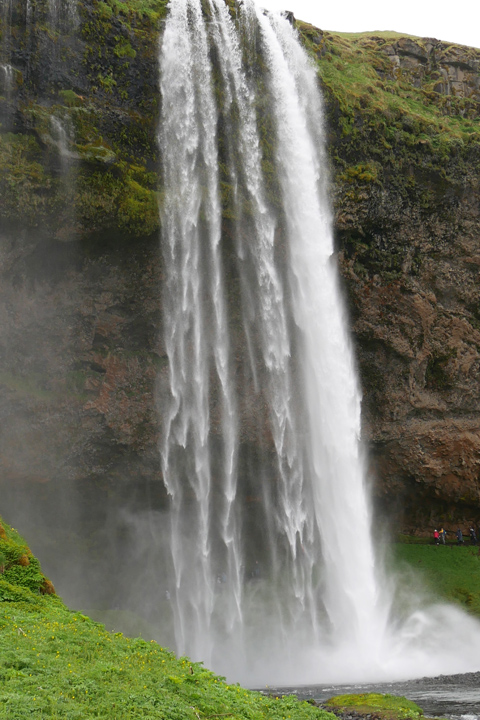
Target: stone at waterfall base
(373,706)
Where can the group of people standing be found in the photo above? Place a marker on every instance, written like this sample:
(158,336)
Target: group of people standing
(440,536)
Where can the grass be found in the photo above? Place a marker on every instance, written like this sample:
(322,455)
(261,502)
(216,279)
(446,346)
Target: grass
(385,34)
(55,663)
(449,572)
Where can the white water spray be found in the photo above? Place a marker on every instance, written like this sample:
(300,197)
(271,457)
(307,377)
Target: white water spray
(272,572)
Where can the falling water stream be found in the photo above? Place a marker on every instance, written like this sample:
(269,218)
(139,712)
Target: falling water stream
(62,15)
(272,572)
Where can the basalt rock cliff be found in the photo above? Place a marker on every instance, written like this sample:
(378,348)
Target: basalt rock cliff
(82,366)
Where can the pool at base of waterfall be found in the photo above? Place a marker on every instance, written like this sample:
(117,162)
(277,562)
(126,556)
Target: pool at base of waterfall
(455,697)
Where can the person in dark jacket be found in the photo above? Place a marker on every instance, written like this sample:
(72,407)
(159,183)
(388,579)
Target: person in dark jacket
(459,537)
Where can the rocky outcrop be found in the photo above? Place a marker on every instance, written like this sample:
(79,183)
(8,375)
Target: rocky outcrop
(408,233)
(453,70)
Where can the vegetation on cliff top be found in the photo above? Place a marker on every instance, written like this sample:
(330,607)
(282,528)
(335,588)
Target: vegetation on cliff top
(57,663)
(372,93)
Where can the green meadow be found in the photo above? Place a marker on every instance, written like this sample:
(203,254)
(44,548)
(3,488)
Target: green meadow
(446,571)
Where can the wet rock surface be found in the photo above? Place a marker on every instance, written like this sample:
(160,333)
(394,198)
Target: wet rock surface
(348,715)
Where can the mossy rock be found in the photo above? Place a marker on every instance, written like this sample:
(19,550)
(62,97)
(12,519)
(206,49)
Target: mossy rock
(386,707)
(21,578)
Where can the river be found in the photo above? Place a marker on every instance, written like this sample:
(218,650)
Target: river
(456,697)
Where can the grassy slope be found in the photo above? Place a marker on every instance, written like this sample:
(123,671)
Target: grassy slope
(448,572)
(55,663)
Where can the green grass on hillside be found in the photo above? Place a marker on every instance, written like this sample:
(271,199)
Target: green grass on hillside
(385,34)
(449,572)
(55,663)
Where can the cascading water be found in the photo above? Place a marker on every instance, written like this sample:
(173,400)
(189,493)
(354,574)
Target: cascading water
(330,389)
(63,14)
(61,134)
(271,571)
(292,323)
(6,69)
(7,73)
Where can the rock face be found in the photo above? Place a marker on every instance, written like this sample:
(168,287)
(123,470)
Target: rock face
(418,345)
(408,226)
(454,70)
(81,356)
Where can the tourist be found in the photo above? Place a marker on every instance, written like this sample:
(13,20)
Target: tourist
(436,537)
(459,537)
(443,535)
(473,536)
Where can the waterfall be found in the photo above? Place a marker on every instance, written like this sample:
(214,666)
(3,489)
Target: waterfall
(240,592)
(196,334)
(7,77)
(6,69)
(62,136)
(62,15)
(269,566)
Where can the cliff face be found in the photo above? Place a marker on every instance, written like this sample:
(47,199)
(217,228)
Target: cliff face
(408,226)
(81,352)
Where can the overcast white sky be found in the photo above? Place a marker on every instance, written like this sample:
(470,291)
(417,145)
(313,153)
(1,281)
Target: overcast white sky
(455,22)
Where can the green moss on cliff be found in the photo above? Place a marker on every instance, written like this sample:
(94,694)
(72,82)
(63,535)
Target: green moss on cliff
(372,93)
(121,198)
(26,187)
(387,127)
(21,578)
(418,142)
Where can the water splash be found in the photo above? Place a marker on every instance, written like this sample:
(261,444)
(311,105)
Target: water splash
(271,568)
